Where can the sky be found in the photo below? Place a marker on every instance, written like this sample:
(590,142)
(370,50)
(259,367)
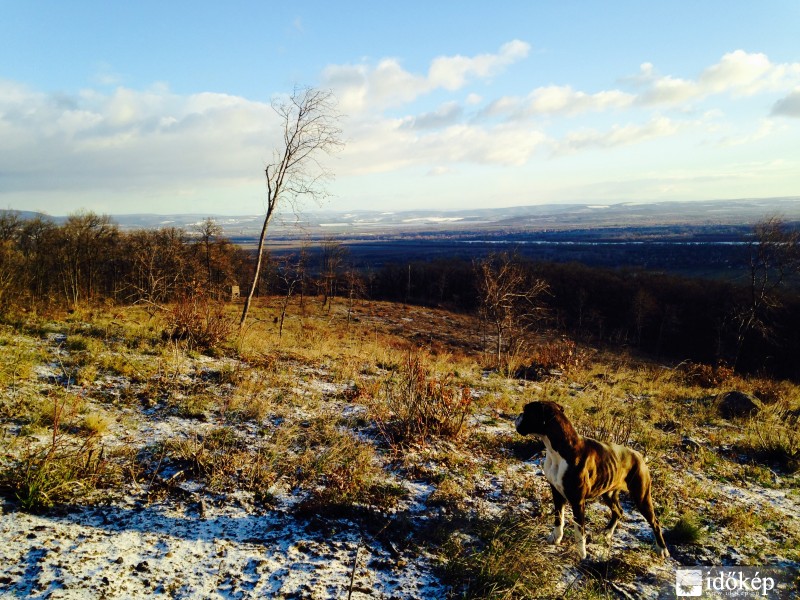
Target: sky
(166,107)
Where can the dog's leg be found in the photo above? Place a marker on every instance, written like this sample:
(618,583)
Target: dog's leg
(640,493)
(558,526)
(611,499)
(579,514)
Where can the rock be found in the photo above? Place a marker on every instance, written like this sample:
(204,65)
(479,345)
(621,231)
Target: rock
(690,444)
(737,404)
(142,567)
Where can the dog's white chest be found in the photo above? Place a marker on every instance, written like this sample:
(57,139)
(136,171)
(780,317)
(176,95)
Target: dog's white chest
(555,467)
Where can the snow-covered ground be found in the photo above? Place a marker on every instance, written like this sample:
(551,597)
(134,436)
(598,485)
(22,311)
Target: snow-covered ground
(134,550)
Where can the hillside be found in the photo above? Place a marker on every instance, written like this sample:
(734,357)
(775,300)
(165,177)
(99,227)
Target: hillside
(363,455)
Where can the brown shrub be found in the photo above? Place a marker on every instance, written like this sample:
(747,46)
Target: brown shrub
(417,403)
(199,321)
(703,375)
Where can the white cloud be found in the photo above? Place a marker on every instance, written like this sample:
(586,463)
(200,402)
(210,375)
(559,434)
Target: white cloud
(736,73)
(364,88)
(452,72)
(619,135)
(503,107)
(474,99)
(447,114)
(564,100)
(382,145)
(129,139)
(153,140)
(439,171)
(669,90)
(764,129)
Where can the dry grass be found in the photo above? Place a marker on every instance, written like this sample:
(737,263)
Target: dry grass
(337,415)
(61,467)
(501,560)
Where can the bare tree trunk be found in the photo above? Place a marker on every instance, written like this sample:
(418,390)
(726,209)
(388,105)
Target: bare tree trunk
(259,259)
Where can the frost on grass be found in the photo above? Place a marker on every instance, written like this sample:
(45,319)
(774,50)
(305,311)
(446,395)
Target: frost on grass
(338,460)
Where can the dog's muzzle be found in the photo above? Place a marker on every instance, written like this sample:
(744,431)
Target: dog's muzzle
(517,421)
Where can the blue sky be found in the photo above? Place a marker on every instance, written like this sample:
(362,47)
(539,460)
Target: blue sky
(126,107)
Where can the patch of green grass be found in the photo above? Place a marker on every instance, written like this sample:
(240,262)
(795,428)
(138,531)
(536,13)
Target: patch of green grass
(84,344)
(193,406)
(772,438)
(686,530)
(336,467)
(221,459)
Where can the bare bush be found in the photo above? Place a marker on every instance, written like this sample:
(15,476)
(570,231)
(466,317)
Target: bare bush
(705,376)
(199,321)
(509,300)
(417,403)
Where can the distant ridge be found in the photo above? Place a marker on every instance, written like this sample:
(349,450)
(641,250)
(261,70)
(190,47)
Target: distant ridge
(544,217)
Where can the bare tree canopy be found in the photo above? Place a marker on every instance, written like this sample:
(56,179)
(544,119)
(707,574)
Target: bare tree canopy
(774,259)
(310,131)
(509,296)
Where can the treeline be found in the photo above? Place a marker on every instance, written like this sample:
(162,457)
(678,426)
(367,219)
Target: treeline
(88,258)
(752,325)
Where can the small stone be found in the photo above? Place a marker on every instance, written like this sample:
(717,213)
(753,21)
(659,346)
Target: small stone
(737,404)
(142,567)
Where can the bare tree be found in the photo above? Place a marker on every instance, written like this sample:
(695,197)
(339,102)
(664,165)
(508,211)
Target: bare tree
(158,265)
(508,297)
(355,290)
(11,259)
(208,230)
(291,270)
(774,257)
(333,254)
(86,238)
(310,129)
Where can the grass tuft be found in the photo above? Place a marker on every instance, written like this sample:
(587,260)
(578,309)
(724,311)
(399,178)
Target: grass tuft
(500,561)
(686,530)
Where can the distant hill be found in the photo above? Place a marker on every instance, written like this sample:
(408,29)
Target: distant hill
(316,223)
(532,218)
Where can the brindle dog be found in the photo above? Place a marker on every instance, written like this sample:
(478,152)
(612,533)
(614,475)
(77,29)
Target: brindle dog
(580,469)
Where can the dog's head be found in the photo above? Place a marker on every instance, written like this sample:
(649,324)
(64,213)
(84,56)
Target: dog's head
(536,416)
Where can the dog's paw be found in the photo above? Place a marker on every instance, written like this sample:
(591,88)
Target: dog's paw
(555,537)
(662,552)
